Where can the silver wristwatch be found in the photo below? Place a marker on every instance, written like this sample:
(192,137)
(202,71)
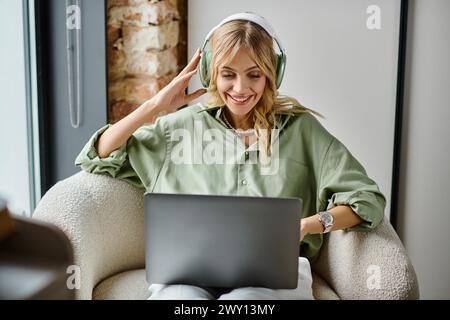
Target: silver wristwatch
(326,219)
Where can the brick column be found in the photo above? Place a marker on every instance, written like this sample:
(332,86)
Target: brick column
(146,49)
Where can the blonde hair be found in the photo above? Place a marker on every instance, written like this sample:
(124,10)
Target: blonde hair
(225,43)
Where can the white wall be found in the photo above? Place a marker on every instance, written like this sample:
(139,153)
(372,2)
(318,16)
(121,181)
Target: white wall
(14,178)
(336,65)
(424,214)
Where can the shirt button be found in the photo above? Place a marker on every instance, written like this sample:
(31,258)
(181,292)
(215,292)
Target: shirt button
(244,182)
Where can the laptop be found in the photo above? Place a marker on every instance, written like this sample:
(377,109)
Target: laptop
(222,241)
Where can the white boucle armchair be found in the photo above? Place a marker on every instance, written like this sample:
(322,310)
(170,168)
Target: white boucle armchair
(103,218)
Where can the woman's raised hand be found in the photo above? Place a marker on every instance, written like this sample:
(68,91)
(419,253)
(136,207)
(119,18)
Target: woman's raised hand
(173,95)
(169,99)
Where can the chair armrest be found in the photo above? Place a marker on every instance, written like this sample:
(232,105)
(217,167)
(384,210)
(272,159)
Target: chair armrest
(367,265)
(103,218)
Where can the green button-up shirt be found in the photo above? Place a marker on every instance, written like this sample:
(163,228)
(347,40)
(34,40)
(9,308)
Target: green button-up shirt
(312,165)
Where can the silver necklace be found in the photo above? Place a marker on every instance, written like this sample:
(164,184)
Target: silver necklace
(239,132)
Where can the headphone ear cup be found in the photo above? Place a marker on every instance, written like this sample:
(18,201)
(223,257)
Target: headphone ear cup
(204,65)
(281,65)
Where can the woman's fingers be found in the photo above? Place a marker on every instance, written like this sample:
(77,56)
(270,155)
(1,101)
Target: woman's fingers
(184,79)
(180,82)
(192,64)
(194,95)
(190,73)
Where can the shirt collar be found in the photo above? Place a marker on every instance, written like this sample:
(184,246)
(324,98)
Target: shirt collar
(216,112)
(283,119)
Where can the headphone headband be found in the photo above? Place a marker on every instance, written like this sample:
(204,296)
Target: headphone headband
(248,16)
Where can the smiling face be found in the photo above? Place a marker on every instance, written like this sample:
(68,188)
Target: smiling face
(240,83)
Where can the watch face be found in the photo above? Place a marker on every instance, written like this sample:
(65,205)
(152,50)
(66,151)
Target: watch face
(326,218)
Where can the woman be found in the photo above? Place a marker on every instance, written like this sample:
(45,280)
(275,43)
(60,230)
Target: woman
(306,161)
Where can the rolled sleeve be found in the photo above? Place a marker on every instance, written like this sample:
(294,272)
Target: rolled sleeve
(138,161)
(89,160)
(343,181)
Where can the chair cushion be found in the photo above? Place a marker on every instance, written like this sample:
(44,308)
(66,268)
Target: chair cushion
(132,285)
(321,290)
(128,285)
